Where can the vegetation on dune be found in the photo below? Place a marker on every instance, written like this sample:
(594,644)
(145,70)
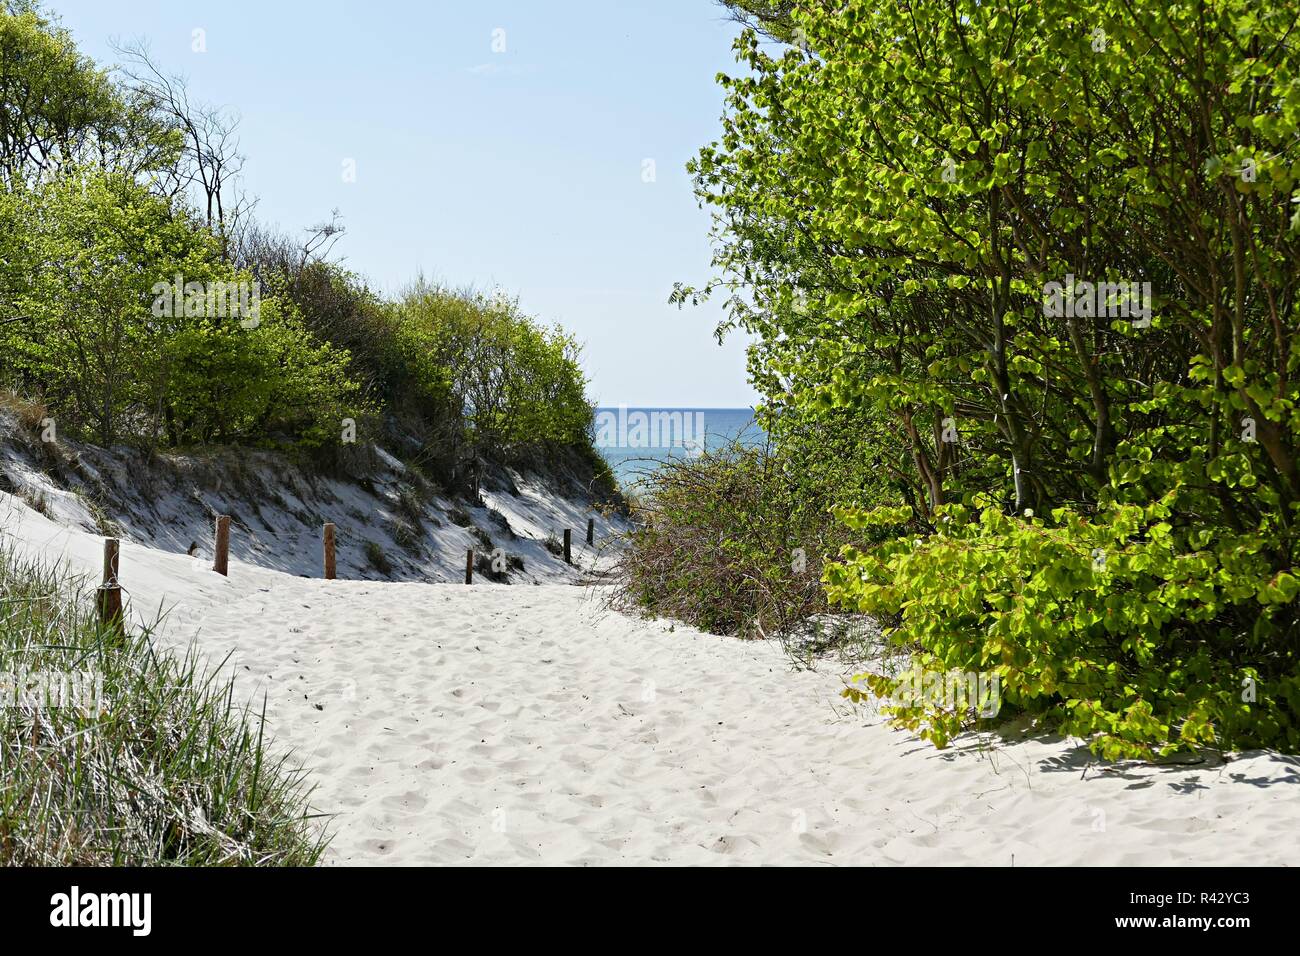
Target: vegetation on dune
(1034,266)
(89,248)
(140,303)
(149,761)
(733,540)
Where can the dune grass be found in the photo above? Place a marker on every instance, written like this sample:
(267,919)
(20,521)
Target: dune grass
(164,768)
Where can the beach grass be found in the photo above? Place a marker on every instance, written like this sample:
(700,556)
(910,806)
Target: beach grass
(156,761)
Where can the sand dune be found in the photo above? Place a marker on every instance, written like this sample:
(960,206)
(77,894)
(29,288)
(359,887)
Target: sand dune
(529,725)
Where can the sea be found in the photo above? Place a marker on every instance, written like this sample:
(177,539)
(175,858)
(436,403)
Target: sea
(637,441)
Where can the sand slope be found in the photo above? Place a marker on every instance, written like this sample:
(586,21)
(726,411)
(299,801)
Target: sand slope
(508,725)
(277,509)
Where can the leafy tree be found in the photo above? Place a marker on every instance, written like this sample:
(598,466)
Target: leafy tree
(57,108)
(897,196)
(95,247)
(95,343)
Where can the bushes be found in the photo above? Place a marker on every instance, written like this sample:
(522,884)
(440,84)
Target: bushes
(1042,259)
(1117,628)
(95,226)
(168,771)
(730,543)
(399,378)
(272,384)
(109,356)
(459,378)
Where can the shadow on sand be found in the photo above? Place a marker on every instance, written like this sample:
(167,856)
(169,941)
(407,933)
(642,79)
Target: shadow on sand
(1266,768)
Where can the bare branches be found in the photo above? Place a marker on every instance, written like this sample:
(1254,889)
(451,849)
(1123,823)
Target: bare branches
(321,239)
(210,160)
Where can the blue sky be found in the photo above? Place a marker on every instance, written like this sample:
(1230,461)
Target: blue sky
(520,169)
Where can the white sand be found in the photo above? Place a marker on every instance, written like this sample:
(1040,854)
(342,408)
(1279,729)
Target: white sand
(500,725)
(277,509)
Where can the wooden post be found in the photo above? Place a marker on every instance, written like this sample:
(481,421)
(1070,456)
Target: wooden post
(469,567)
(108,597)
(221,552)
(108,602)
(111,551)
(591,531)
(329,551)
(568,545)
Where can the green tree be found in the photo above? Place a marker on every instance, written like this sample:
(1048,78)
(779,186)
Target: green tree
(99,255)
(897,196)
(95,246)
(58,109)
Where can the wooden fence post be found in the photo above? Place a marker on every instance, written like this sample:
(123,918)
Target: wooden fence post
(591,531)
(221,551)
(329,551)
(568,545)
(112,550)
(108,597)
(469,567)
(108,602)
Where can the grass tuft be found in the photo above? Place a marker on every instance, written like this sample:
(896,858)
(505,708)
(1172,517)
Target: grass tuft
(165,768)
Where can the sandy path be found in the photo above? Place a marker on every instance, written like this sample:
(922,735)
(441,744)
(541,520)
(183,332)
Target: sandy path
(445,724)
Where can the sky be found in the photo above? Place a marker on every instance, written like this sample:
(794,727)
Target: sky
(499,145)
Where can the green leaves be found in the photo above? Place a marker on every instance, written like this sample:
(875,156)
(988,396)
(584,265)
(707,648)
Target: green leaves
(1089,627)
(930,182)
(98,248)
(1282,589)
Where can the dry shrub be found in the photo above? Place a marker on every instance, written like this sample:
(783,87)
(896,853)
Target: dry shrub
(729,542)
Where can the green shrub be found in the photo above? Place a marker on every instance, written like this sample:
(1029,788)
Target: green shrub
(514,385)
(1117,629)
(1051,282)
(273,384)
